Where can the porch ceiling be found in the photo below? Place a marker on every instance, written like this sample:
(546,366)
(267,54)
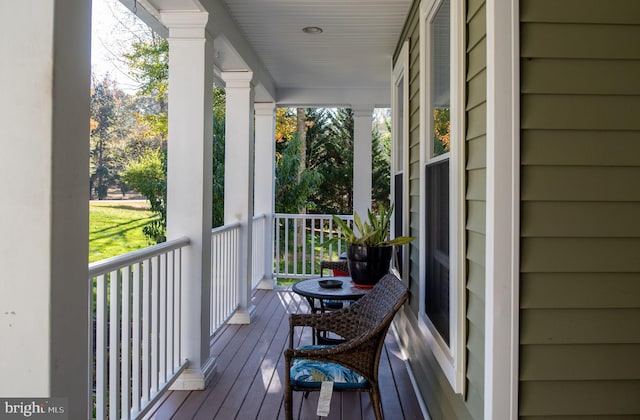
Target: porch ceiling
(349,63)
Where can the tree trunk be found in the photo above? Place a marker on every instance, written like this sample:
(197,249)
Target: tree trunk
(301,127)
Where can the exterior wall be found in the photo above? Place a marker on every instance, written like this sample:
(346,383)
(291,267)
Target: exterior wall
(436,391)
(580,230)
(476,145)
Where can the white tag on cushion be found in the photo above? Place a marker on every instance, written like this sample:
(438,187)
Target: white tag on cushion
(324,401)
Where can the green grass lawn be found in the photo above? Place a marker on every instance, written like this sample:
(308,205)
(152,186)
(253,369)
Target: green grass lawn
(116,228)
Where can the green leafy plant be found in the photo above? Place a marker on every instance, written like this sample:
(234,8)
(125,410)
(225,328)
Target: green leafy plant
(371,232)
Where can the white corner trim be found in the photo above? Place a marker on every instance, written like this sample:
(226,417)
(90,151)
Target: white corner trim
(401,72)
(503,209)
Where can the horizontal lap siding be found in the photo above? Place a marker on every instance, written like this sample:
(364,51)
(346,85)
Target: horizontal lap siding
(475,152)
(414,156)
(580,224)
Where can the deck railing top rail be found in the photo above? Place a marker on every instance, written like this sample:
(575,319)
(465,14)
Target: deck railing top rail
(313,216)
(104,266)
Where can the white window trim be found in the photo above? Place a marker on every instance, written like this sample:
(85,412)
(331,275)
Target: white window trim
(450,358)
(502,274)
(401,71)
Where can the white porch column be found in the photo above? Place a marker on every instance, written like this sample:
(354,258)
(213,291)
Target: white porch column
(238,178)
(265,182)
(502,272)
(362,168)
(44,216)
(189,178)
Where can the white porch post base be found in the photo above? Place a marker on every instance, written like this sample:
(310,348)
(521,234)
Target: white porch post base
(242,316)
(267,283)
(195,378)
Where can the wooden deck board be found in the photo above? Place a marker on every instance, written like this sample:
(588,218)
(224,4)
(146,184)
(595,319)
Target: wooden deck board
(249,383)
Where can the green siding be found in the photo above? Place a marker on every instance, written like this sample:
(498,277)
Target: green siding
(441,401)
(580,230)
(475,153)
(414,153)
(537,143)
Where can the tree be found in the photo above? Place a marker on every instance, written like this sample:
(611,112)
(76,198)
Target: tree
(285,126)
(329,152)
(147,175)
(381,162)
(217,205)
(292,187)
(333,157)
(148,61)
(108,128)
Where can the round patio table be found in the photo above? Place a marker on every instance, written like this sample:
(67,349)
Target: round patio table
(312,290)
(328,298)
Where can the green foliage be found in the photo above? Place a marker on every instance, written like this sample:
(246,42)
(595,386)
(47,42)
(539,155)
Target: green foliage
(293,194)
(147,175)
(148,61)
(149,64)
(381,155)
(329,152)
(217,199)
(373,232)
(332,155)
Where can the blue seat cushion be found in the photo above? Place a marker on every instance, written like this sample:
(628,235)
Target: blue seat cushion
(332,304)
(311,374)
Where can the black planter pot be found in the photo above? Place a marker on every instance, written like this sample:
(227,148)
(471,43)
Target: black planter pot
(368,264)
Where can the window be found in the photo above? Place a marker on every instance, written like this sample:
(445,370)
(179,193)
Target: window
(442,310)
(400,133)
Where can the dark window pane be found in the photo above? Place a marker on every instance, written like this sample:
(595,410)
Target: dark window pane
(397,216)
(436,296)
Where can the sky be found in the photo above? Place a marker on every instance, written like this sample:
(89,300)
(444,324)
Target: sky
(111,30)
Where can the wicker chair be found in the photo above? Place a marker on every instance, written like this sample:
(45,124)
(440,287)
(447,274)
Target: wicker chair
(333,265)
(364,325)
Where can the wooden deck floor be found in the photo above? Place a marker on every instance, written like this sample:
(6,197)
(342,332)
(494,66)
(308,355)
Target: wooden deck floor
(249,382)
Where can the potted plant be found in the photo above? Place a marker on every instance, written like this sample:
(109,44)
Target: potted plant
(369,248)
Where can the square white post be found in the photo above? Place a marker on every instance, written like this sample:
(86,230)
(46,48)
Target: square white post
(265,182)
(44,215)
(362,170)
(239,151)
(502,273)
(189,180)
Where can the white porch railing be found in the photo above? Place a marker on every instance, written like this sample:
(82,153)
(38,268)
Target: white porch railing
(135,304)
(298,240)
(225,247)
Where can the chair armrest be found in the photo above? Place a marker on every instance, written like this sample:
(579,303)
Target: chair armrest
(329,321)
